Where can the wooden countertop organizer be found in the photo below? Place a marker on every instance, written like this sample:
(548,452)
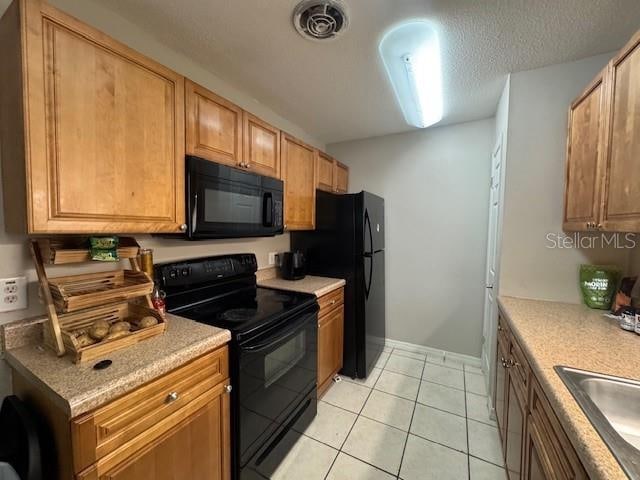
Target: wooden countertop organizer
(75,302)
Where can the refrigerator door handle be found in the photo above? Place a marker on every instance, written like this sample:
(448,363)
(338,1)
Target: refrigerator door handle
(367,223)
(367,286)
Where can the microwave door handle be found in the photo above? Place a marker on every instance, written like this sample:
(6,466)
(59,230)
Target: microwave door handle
(194,214)
(267,210)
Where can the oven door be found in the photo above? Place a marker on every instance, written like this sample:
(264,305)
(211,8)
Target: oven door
(224,202)
(277,373)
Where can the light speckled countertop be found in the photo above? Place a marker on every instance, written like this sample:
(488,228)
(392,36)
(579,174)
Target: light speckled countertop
(76,389)
(573,335)
(318,286)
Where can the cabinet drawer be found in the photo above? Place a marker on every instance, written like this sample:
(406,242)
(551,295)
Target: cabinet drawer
(560,452)
(140,412)
(330,301)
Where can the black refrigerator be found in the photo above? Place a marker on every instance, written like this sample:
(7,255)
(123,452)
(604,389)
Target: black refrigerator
(348,243)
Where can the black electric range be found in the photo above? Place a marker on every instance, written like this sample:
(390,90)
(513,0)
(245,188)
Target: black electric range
(273,352)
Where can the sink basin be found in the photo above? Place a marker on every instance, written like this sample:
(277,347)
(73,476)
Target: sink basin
(612,404)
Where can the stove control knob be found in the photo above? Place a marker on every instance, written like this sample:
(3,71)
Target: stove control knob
(185,272)
(173,273)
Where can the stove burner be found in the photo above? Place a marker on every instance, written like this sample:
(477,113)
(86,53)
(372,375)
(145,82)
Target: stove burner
(238,314)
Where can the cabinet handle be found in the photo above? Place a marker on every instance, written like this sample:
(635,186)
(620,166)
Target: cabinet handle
(183,227)
(333,302)
(228,388)
(247,166)
(499,327)
(172,397)
(503,362)
(513,363)
(599,226)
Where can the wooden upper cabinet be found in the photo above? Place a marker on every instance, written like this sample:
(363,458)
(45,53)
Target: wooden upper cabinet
(214,126)
(261,146)
(299,175)
(326,167)
(332,176)
(341,178)
(98,145)
(584,150)
(621,196)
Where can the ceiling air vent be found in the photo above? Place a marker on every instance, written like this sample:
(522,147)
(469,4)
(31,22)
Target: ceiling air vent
(320,20)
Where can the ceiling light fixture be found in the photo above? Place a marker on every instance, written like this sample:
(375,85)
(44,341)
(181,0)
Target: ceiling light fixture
(411,56)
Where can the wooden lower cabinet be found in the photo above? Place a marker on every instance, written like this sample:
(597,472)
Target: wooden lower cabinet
(534,444)
(330,337)
(516,417)
(176,426)
(195,448)
(501,392)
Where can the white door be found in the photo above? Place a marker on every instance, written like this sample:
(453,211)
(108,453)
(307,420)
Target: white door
(491,280)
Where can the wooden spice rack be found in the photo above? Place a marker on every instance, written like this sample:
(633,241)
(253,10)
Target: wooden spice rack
(74,302)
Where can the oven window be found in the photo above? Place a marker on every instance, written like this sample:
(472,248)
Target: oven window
(282,360)
(222,206)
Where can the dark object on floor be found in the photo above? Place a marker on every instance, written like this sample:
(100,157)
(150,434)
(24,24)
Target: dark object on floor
(19,441)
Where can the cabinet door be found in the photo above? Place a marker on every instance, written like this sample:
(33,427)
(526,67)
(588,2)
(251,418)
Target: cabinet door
(501,391)
(330,342)
(516,409)
(199,447)
(538,465)
(621,199)
(584,151)
(299,175)
(341,178)
(214,126)
(326,166)
(106,132)
(261,146)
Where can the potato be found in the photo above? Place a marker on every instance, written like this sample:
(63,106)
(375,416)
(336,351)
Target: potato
(147,321)
(98,332)
(114,335)
(100,324)
(120,327)
(84,340)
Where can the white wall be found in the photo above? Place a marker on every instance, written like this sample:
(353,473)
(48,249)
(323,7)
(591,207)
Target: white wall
(436,185)
(538,104)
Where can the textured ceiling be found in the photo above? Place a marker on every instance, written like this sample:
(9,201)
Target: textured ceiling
(339,91)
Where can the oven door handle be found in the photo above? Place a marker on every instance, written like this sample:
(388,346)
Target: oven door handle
(275,340)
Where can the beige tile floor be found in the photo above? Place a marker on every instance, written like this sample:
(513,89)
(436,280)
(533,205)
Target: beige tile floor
(415,418)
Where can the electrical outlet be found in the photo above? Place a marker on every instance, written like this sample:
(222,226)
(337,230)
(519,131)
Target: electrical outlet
(273,258)
(13,294)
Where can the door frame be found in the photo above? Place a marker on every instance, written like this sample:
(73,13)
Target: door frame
(490,323)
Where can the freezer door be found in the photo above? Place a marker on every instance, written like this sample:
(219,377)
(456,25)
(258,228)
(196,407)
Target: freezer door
(374,311)
(373,222)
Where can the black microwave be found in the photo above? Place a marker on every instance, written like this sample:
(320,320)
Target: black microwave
(223,202)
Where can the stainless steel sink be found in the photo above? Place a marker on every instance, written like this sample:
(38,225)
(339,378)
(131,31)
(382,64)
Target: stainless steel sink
(612,404)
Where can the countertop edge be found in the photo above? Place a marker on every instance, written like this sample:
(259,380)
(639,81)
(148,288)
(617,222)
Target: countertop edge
(579,443)
(293,285)
(92,399)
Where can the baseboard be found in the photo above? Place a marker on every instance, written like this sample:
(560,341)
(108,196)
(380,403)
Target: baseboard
(467,359)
